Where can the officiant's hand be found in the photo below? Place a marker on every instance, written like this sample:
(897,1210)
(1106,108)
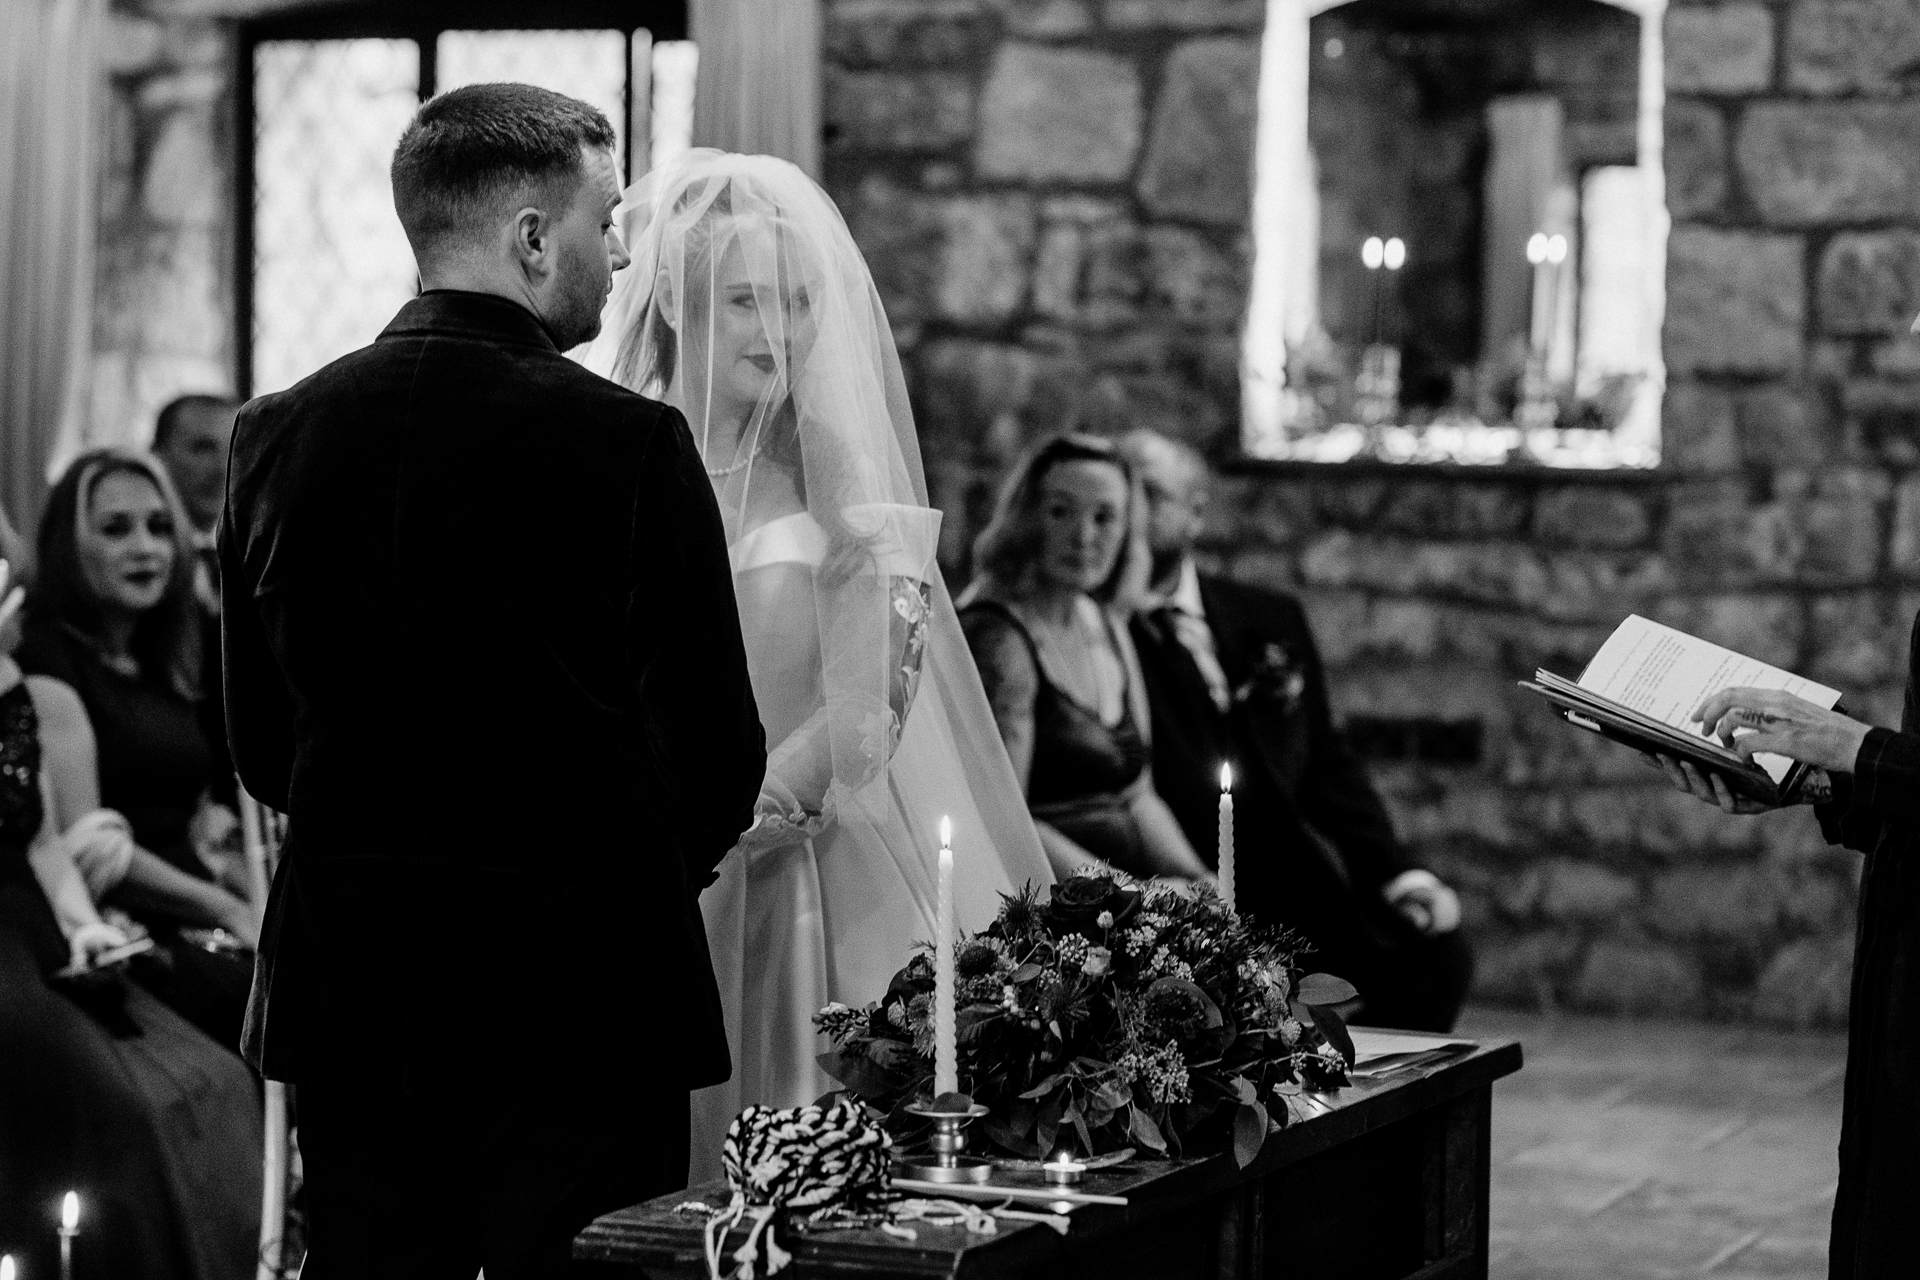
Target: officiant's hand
(1784,725)
(1709,787)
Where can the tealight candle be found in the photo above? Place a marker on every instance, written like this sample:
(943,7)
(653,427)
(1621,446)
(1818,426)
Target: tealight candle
(946,1056)
(1225,861)
(1063,1170)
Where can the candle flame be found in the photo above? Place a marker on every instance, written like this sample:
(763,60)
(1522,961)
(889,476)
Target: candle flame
(70,1211)
(1373,253)
(6,1267)
(946,832)
(1556,249)
(1537,248)
(1395,254)
(1226,777)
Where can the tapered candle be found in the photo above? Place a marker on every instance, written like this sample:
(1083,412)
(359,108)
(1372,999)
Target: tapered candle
(6,1267)
(69,1228)
(946,1052)
(1226,833)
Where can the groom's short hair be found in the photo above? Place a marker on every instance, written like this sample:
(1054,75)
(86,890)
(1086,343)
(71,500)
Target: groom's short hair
(471,150)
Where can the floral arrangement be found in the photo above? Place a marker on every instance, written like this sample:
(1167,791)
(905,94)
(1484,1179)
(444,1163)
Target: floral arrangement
(1109,1015)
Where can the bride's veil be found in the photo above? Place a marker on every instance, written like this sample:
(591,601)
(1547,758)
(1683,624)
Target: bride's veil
(748,307)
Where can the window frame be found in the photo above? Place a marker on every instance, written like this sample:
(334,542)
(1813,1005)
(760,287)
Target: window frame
(421,21)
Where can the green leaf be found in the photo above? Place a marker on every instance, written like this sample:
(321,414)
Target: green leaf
(892,1055)
(1046,1086)
(1249,1132)
(1146,1132)
(1244,1090)
(1334,1030)
(1324,988)
(1027,972)
(859,1073)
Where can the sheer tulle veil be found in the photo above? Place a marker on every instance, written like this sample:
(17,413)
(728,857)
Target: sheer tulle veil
(748,307)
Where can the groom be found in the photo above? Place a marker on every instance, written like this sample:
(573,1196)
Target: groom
(481,645)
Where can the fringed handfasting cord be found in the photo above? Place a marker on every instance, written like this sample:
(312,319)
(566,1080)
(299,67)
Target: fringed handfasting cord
(793,1158)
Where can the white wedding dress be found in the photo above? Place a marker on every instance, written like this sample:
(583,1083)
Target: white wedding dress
(749,309)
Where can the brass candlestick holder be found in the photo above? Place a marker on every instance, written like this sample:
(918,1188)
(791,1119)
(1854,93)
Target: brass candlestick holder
(949,1161)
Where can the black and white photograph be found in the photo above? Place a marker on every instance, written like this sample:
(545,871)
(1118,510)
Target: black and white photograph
(963,639)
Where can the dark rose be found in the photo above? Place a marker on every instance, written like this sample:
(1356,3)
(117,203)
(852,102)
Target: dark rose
(1078,902)
(1181,1009)
(975,960)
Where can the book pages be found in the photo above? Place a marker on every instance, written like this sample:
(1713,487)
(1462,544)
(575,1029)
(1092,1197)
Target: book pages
(1666,674)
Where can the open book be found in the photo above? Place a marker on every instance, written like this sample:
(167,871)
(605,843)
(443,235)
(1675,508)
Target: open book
(1644,685)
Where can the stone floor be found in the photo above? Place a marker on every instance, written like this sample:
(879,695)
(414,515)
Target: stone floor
(1648,1150)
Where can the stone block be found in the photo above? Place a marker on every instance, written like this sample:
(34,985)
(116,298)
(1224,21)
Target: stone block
(1193,281)
(1199,157)
(119,178)
(1886,414)
(1706,530)
(1697,428)
(1903,551)
(961,258)
(1868,283)
(1450,509)
(185,183)
(857,40)
(1735,903)
(1852,46)
(1843,527)
(886,111)
(1574,892)
(1069,115)
(1858,640)
(1736,301)
(964,387)
(1592,516)
(1087,267)
(1522,969)
(1046,19)
(1190,15)
(200,44)
(1597,585)
(1830,163)
(1807,984)
(1632,976)
(1784,425)
(1769,627)
(1696,158)
(1723,48)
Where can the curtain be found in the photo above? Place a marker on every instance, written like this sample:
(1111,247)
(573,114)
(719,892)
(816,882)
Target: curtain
(759,85)
(50,121)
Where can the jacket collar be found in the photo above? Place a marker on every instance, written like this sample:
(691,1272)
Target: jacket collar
(452,312)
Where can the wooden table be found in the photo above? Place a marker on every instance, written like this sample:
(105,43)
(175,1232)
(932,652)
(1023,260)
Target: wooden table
(1390,1184)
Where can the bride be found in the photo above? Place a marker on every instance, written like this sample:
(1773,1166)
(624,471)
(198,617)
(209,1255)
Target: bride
(749,309)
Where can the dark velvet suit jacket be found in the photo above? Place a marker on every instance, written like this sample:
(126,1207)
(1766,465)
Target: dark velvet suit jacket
(1876,810)
(1313,844)
(481,645)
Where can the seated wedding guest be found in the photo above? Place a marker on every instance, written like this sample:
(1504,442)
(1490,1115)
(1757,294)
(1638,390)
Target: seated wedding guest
(1232,675)
(111,615)
(1061,557)
(103,1089)
(190,438)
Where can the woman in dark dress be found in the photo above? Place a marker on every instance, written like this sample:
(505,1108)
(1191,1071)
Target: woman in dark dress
(104,1090)
(1865,787)
(111,615)
(1063,553)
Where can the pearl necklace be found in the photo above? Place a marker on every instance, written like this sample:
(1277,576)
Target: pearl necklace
(721,473)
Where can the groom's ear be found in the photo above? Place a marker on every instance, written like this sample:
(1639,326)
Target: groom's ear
(533,240)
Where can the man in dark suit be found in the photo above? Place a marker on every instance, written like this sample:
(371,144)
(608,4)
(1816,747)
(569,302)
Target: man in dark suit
(481,645)
(1233,675)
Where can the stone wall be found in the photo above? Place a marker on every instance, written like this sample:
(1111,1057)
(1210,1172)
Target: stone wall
(1054,196)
